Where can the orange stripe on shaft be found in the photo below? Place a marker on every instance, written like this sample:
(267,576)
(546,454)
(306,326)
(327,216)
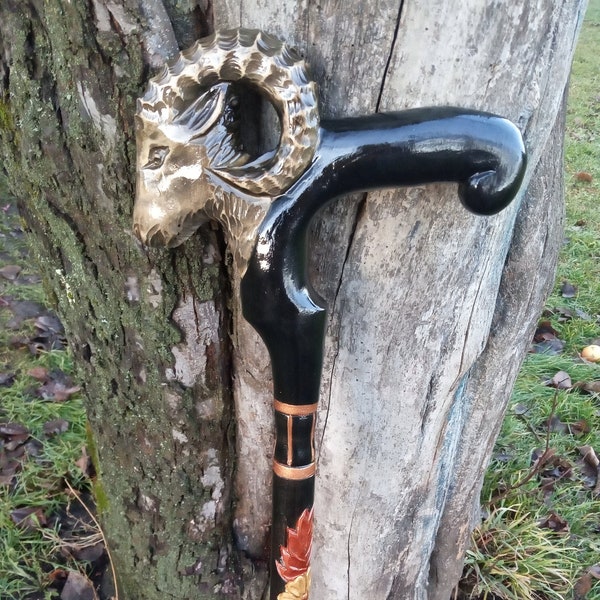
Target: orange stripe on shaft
(294,473)
(296,410)
(312,439)
(290,440)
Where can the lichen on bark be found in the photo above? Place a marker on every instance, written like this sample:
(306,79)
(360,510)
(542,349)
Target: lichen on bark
(68,84)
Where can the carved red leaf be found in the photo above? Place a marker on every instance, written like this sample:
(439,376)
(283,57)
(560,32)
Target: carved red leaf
(295,557)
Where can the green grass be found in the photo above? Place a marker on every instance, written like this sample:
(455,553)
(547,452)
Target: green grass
(31,561)
(512,557)
(28,556)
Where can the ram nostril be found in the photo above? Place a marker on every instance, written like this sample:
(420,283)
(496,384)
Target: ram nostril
(156,238)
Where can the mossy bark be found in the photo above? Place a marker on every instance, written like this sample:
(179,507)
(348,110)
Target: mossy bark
(69,76)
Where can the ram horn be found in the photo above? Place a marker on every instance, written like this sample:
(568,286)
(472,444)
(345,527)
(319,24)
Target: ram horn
(276,71)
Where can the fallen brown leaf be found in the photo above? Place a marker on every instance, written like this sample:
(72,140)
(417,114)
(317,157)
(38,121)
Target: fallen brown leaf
(555,523)
(551,346)
(13,429)
(582,587)
(55,427)
(584,176)
(39,373)
(544,331)
(78,587)
(7,379)
(568,314)
(594,571)
(14,435)
(581,427)
(545,339)
(57,575)
(584,584)
(554,467)
(589,455)
(10,272)
(29,518)
(86,551)
(8,472)
(555,425)
(50,334)
(540,457)
(84,462)
(22,311)
(568,290)
(560,381)
(590,458)
(57,387)
(592,387)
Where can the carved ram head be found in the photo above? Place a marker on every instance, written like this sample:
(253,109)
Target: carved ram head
(190,166)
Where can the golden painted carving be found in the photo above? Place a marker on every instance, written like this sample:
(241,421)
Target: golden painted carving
(298,589)
(190,167)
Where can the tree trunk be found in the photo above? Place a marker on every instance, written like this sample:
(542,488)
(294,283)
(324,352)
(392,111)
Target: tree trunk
(431,308)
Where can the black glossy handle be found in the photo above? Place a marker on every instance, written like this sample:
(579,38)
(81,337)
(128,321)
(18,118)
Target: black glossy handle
(482,152)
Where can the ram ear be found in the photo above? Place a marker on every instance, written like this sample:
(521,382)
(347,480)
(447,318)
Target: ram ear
(198,118)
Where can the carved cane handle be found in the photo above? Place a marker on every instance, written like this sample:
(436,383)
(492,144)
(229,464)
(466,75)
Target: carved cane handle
(191,169)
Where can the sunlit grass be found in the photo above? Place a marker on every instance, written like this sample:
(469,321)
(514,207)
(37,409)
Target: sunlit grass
(511,557)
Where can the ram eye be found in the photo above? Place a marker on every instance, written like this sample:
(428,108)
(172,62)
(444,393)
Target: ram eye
(156,157)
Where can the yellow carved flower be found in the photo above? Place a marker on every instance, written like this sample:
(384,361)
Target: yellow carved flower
(297,589)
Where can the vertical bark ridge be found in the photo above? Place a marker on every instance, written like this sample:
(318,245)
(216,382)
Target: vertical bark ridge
(358,215)
(541,218)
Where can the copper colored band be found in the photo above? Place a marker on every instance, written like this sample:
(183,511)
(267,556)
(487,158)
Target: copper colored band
(294,473)
(296,410)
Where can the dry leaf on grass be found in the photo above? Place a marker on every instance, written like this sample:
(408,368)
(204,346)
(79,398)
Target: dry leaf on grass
(591,461)
(584,176)
(560,381)
(555,523)
(10,272)
(78,587)
(584,584)
(29,518)
(568,290)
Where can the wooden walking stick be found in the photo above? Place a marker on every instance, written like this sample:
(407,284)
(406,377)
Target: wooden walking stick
(191,169)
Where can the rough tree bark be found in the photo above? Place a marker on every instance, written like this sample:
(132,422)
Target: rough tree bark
(431,308)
